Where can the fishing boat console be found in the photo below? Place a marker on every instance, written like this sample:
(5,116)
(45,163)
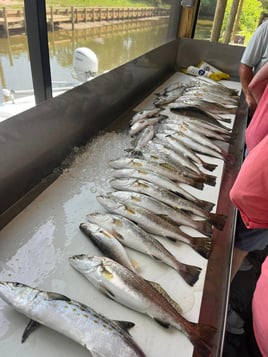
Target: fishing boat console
(54,163)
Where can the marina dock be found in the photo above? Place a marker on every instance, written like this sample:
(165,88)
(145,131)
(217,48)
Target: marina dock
(11,19)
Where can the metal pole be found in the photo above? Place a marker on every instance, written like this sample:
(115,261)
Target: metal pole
(35,14)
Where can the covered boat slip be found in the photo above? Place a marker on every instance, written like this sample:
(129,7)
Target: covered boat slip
(43,201)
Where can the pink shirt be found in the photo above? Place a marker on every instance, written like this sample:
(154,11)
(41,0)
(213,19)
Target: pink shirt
(260,310)
(250,190)
(258,126)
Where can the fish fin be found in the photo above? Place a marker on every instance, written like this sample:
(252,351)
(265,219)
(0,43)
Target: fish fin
(189,273)
(165,295)
(217,220)
(31,327)
(197,184)
(202,245)
(210,180)
(125,325)
(56,296)
(209,167)
(202,340)
(174,240)
(208,206)
(162,323)
(204,227)
(156,258)
(106,292)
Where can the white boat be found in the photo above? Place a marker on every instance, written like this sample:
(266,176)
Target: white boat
(85,67)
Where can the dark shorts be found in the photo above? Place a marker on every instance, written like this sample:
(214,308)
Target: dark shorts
(250,239)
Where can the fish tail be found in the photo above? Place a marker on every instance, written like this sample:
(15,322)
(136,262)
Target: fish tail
(208,206)
(204,227)
(217,220)
(210,180)
(202,339)
(225,120)
(209,167)
(189,273)
(202,245)
(197,184)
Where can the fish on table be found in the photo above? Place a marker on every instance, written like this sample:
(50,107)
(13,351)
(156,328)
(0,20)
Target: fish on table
(169,198)
(131,290)
(176,174)
(95,332)
(156,224)
(152,204)
(107,243)
(161,181)
(134,237)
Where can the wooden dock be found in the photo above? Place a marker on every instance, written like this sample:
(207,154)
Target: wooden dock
(15,19)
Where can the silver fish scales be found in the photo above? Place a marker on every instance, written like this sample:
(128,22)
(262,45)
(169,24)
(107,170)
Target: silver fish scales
(133,236)
(131,290)
(98,334)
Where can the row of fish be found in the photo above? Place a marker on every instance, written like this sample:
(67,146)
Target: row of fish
(148,198)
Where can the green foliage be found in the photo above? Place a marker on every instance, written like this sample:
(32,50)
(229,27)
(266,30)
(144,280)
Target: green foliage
(249,18)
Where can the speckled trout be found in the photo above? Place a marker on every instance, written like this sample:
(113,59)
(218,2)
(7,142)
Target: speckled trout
(98,334)
(131,290)
(131,235)
(155,224)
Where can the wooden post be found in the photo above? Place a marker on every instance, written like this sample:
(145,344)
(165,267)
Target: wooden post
(51,19)
(25,24)
(72,15)
(6,22)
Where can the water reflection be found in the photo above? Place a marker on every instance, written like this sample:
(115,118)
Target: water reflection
(114,44)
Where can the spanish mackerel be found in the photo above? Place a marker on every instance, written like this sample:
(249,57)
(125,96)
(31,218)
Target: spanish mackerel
(133,236)
(131,290)
(98,334)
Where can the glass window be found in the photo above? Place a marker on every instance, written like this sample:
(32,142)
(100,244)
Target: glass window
(95,39)
(108,34)
(15,69)
(229,21)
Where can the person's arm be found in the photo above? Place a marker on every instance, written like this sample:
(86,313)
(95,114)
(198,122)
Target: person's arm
(246,74)
(258,83)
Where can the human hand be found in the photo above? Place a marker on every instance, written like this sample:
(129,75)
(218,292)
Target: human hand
(251,102)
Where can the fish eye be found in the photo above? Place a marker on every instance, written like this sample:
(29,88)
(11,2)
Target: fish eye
(16,284)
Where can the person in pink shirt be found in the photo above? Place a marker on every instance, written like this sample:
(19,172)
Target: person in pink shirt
(249,194)
(258,127)
(247,239)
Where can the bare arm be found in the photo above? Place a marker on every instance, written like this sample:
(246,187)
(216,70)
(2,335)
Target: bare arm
(259,82)
(246,74)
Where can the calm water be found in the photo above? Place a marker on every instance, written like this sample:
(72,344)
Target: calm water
(113,44)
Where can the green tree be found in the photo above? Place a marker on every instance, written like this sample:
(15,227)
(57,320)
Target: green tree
(249,18)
